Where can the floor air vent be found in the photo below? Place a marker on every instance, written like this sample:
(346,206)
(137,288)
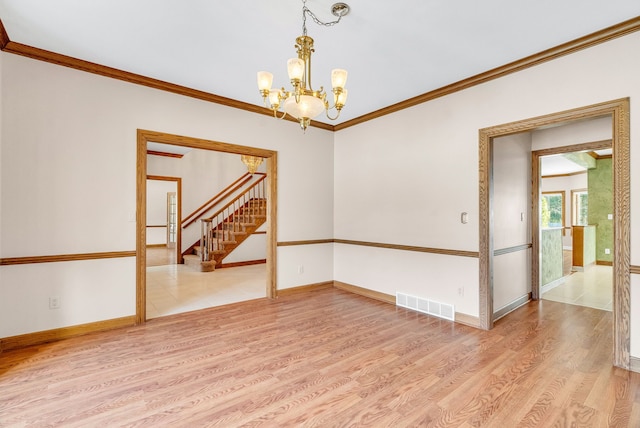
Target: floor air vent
(430,307)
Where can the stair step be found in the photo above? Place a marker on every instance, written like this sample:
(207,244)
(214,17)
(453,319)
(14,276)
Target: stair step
(194,261)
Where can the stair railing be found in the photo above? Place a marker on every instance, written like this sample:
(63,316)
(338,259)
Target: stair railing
(222,195)
(220,228)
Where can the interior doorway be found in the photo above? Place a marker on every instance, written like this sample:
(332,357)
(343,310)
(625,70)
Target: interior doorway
(144,137)
(618,112)
(569,177)
(164,208)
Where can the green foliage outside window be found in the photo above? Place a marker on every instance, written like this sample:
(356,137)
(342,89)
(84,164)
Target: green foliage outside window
(553,203)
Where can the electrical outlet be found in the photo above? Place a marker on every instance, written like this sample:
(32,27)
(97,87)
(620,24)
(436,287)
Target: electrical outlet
(300,269)
(461,291)
(607,251)
(54,302)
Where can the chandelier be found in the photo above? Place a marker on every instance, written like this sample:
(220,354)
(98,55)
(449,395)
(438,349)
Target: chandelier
(252,163)
(303,102)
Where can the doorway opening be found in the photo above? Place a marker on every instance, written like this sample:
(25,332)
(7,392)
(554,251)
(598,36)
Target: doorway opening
(143,138)
(618,112)
(570,177)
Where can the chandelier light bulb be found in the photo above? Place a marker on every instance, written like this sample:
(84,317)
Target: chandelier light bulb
(338,78)
(265,80)
(295,67)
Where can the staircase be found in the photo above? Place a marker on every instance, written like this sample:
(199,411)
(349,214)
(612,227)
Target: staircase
(224,231)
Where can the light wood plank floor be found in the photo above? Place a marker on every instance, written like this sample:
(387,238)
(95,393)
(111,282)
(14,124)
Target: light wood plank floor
(327,358)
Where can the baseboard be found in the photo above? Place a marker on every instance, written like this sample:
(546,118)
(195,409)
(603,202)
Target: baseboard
(157,246)
(465,319)
(245,263)
(305,288)
(511,306)
(388,298)
(40,337)
(634,364)
(553,284)
(469,320)
(604,263)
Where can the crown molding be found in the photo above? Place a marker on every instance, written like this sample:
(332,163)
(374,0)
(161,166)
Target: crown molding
(4,37)
(609,33)
(8,46)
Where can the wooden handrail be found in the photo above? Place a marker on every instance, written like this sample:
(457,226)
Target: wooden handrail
(233,201)
(244,179)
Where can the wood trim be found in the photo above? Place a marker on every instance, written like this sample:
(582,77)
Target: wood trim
(465,319)
(9,261)
(618,110)
(305,288)
(272,225)
(571,174)
(144,136)
(387,298)
(114,73)
(40,337)
(308,242)
(156,245)
(245,263)
(4,37)
(260,232)
(634,269)
(447,252)
(237,184)
(165,154)
(593,39)
(156,225)
(141,232)
(604,263)
(511,249)
(595,145)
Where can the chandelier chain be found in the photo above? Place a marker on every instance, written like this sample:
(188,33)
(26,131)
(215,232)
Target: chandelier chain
(306,11)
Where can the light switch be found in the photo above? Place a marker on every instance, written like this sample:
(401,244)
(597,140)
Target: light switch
(610,216)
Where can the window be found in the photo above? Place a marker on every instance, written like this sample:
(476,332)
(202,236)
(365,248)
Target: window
(552,206)
(579,204)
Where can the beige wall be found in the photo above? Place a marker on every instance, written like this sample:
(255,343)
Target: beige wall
(68,181)
(429,158)
(68,151)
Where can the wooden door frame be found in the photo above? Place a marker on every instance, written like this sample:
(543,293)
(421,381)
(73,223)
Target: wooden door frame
(618,110)
(178,182)
(145,136)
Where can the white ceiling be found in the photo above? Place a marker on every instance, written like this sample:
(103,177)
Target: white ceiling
(392,50)
(559,164)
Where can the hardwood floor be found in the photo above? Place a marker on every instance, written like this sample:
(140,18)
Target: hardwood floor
(327,358)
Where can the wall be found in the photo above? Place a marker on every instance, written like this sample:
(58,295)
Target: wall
(68,147)
(550,255)
(403,178)
(600,207)
(406,177)
(511,219)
